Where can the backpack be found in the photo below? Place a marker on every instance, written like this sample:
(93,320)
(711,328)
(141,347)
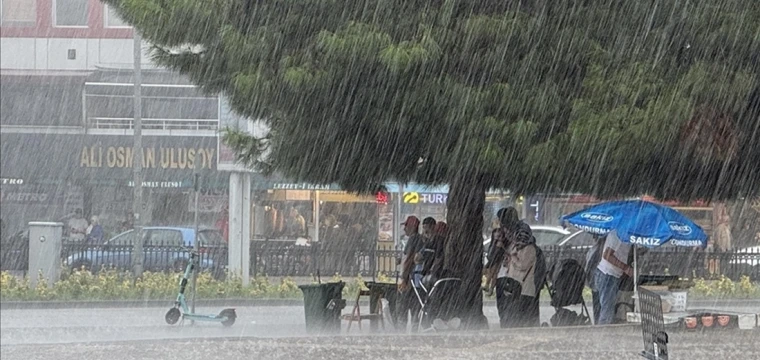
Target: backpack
(567,278)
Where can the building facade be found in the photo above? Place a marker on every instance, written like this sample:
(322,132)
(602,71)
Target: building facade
(67,95)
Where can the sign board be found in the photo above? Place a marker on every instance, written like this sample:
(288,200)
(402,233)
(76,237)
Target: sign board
(11,181)
(302,186)
(425,198)
(106,159)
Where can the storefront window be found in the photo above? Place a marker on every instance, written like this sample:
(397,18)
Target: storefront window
(283,214)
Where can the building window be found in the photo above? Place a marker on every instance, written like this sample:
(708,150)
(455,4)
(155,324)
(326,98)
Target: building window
(70,12)
(18,13)
(113,20)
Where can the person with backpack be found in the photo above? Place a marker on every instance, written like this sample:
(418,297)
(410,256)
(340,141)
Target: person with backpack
(593,257)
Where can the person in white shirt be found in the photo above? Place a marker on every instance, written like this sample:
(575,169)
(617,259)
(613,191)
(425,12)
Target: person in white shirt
(607,278)
(77,227)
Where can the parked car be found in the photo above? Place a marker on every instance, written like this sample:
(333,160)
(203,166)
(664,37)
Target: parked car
(164,248)
(547,236)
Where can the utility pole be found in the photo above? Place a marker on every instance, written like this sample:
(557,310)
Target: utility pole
(137,151)
(196,185)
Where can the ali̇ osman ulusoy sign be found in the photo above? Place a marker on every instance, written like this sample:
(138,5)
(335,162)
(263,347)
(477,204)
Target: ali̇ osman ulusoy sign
(152,157)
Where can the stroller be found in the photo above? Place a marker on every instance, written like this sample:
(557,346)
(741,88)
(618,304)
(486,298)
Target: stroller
(431,298)
(566,281)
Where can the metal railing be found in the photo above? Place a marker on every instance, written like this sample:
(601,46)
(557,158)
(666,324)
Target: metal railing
(277,258)
(153,124)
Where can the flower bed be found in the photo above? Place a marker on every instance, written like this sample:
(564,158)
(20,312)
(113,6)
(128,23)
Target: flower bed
(116,285)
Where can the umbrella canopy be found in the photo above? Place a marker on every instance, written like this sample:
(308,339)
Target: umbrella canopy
(639,222)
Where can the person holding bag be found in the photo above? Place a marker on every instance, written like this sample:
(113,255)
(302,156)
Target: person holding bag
(516,288)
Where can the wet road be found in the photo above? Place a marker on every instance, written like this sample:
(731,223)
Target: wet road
(545,344)
(51,326)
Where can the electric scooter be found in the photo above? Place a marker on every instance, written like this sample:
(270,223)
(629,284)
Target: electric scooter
(180,310)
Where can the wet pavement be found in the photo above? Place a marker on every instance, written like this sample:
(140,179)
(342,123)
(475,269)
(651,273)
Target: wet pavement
(78,325)
(556,343)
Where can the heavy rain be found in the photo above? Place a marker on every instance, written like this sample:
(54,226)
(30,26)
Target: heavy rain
(334,179)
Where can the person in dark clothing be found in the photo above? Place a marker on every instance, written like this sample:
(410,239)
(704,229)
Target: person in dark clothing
(423,259)
(408,300)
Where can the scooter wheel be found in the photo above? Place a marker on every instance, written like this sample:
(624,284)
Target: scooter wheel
(230,315)
(172,316)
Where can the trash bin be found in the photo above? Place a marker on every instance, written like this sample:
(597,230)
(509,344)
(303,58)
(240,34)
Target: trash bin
(322,305)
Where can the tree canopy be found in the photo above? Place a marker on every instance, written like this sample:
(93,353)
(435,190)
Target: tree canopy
(607,97)
(592,96)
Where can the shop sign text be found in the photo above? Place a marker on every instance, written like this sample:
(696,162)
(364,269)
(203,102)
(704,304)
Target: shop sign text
(425,198)
(304,186)
(164,158)
(11,181)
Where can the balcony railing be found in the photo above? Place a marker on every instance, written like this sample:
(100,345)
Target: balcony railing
(153,124)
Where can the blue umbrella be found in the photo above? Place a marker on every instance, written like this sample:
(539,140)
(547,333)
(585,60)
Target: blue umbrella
(639,222)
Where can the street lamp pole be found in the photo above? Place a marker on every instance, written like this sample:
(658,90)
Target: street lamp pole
(197,187)
(137,200)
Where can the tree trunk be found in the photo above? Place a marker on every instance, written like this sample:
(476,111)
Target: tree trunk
(464,249)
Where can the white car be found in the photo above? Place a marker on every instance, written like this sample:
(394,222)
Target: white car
(547,236)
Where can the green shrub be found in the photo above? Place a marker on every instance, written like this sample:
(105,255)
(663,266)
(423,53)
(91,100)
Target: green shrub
(111,284)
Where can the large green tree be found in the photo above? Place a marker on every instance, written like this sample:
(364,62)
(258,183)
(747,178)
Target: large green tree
(601,96)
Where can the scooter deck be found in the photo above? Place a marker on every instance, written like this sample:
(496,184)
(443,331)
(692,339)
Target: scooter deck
(199,317)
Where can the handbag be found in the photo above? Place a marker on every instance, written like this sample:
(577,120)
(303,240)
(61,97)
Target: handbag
(514,288)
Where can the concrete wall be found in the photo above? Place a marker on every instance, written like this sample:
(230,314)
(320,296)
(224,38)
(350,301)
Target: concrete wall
(53,53)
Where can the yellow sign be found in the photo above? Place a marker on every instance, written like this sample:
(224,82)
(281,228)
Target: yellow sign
(411,197)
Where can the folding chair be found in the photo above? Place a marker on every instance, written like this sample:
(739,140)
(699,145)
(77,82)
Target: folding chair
(357,316)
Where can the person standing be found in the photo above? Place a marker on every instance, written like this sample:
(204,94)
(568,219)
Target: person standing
(499,267)
(77,227)
(407,299)
(95,233)
(593,257)
(296,223)
(510,224)
(223,224)
(516,283)
(608,273)
(426,253)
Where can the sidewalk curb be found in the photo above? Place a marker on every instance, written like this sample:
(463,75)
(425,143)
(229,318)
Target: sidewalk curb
(30,305)
(112,304)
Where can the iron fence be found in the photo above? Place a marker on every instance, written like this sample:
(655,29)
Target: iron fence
(157,257)
(283,259)
(275,258)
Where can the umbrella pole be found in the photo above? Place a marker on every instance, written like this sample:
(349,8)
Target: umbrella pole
(635,281)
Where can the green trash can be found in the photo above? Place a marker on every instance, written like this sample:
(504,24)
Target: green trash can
(322,305)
